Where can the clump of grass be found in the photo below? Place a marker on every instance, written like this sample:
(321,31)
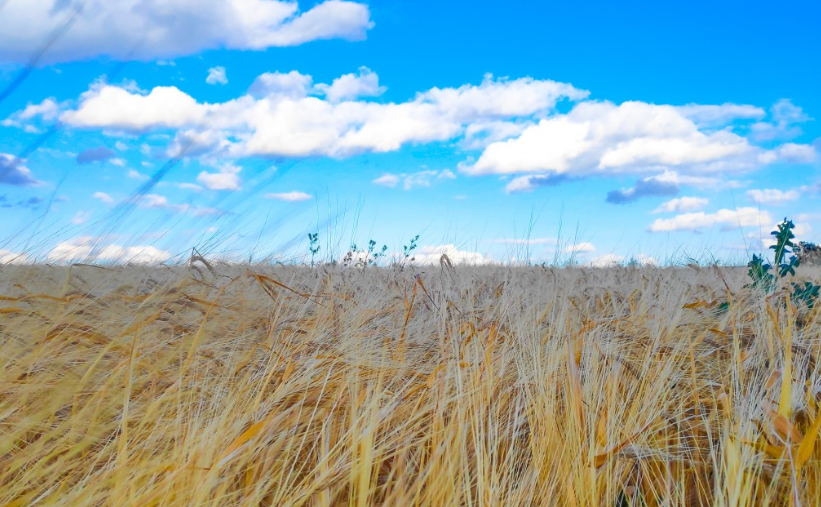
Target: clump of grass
(260,385)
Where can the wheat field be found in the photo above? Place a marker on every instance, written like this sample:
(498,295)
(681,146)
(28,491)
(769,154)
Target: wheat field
(436,386)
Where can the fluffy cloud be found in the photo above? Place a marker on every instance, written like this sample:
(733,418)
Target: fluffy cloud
(83,249)
(216,75)
(433,254)
(226,179)
(580,248)
(109,106)
(720,115)
(13,172)
(146,30)
(351,86)
(279,117)
(413,180)
(647,187)
(773,196)
(99,154)
(290,196)
(601,138)
(606,261)
(9,257)
(726,218)
(47,110)
(278,84)
(681,204)
(785,118)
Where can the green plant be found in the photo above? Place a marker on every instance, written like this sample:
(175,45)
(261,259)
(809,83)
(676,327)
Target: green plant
(314,247)
(374,256)
(765,276)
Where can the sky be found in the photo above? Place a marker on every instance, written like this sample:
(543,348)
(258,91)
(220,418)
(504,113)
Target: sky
(587,132)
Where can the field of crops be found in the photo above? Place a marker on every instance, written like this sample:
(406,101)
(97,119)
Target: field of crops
(440,386)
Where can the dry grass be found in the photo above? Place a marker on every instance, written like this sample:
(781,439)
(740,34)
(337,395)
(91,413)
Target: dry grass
(464,386)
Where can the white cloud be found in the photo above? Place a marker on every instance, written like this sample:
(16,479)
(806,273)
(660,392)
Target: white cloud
(606,261)
(135,29)
(433,254)
(163,107)
(773,196)
(387,180)
(290,196)
(414,180)
(226,179)
(351,86)
(727,218)
(216,75)
(785,118)
(279,119)
(121,146)
(9,257)
(681,204)
(580,248)
(293,85)
(479,135)
(189,186)
(601,138)
(720,115)
(82,249)
(136,175)
(106,198)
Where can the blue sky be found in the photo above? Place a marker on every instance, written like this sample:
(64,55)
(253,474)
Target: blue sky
(529,130)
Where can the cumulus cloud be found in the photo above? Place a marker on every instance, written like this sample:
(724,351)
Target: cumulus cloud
(601,138)
(290,196)
(785,120)
(726,218)
(681,204)
(647,187)
(47,110)
(82,249)
(279,117)
(773,196)
(606,261)
(216,75)
(99,154)
(13,172)
(414,180)
(351,86)
(433,254)
(134,29)
(9,257)
(278,84)
(707,115)
(580,248)
(227,178)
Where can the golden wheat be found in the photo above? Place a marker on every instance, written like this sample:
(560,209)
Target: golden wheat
(453,385)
